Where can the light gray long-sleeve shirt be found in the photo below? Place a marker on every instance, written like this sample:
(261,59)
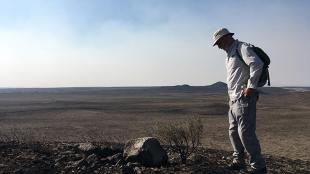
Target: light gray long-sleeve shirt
(241,75)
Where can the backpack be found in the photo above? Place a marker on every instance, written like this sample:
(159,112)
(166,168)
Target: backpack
(264,77)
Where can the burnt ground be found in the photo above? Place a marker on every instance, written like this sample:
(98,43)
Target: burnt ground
(38,158)
(118,114)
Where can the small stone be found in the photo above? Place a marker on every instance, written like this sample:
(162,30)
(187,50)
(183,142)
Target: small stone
(3,165)
(60,159)
(128,164)
(105,151)
(67,152)
(119,162)
(128,170)
(83,168)
(91,159)
(92,165)
(78,155)
(115,158)
(17,171)
(137,170)
(57,164)
(77,163)
(176,169)
(86,147)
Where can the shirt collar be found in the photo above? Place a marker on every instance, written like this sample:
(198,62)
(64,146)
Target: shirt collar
(232,48)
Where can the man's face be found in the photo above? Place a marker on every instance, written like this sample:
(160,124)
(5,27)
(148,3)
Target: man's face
(221,43)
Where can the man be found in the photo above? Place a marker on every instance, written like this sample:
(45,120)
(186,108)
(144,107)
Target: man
(242,78)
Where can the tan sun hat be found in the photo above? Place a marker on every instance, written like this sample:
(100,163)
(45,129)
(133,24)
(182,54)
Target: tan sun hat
(219,34)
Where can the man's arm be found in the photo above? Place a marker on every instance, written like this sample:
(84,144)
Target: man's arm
(256,67)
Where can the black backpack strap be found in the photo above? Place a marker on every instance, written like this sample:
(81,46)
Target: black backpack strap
(268,77)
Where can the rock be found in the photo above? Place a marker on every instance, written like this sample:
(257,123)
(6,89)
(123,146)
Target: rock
(83,168)
(92,165)
(133,165)
(119,163)
(137,170)
(87,147)
(78,163)
(31,170)
(104,160)
(105,151)
(74,164)
(146,151)
(18,171)
(115,158)
(57,164)
(91,159)
(128,170)
(3,165)
(176,169)
(60,159)
(196,158)
(67,152)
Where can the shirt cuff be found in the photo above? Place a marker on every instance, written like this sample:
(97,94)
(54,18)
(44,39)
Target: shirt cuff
(251,85)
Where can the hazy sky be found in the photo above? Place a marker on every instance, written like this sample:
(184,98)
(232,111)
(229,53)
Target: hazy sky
(63,43)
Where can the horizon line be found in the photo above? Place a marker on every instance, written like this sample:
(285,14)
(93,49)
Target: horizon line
(145,86)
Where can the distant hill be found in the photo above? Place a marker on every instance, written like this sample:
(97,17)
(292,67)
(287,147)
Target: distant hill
(184,86)
(221,86)
(218,85)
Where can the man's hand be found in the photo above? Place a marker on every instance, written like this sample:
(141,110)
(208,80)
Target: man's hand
(247,92)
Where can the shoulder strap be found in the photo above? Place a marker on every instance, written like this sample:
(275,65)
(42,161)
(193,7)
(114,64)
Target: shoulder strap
(238,54)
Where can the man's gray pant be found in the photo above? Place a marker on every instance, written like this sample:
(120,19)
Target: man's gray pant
(242,126)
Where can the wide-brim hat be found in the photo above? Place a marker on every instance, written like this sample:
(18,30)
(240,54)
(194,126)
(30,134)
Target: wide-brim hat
(219,34)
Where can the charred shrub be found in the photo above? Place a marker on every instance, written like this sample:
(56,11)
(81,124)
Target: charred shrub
(182,137)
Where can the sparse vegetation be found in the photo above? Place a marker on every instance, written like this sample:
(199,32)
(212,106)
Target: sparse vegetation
(183,137)
(24,152)
(119,114)
(19,136)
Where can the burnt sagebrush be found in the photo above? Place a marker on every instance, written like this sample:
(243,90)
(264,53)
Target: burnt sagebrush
(182,137)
